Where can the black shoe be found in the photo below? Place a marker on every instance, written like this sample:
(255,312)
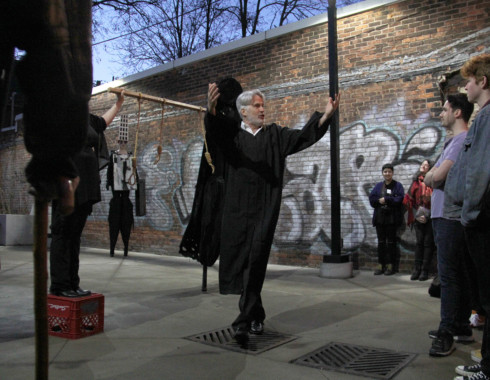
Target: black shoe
(433,334)
(424,276)
(125,251)
(111,254)
(389,270)
(443,345)
(241,335)
(415,274)
(65,293)
(257,328)
(462,336)
(381,269)
(82,293)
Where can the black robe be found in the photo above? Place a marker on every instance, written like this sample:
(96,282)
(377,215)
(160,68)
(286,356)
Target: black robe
(252,198)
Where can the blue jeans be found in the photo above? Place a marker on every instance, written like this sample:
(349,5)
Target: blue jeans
(478,240)
(452,261)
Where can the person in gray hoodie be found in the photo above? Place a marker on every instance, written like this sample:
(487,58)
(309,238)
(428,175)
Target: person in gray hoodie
(468,192)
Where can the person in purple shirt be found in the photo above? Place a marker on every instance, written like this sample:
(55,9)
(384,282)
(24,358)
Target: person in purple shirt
(449,236)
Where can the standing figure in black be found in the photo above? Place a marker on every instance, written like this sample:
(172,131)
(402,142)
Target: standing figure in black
(66,230)
(121,178)
(255,156)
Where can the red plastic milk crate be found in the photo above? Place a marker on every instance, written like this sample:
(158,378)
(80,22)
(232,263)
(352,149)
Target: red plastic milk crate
(75,318)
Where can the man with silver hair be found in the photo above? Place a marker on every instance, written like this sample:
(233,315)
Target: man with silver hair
(255,156)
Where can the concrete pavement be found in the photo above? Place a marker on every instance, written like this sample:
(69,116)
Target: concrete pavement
(153,303)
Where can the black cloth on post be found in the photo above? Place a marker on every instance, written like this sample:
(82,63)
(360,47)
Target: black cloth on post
(201,240)
(56,78)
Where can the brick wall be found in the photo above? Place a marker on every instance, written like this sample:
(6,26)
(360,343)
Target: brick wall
(14,198)
(396,63)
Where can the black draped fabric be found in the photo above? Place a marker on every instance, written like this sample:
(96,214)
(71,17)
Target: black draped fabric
(201,238)
(56,78)
(253,180)
(87,162)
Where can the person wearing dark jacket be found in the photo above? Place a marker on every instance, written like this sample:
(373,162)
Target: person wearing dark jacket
(386,198)
(66,230)
(255,155)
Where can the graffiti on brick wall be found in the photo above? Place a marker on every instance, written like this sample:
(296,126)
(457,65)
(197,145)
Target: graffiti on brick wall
(381,136)
(305,214)
(161,179)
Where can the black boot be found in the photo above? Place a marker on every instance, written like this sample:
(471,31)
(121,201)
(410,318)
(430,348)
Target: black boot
(112,253)
(416,273)
(424,276)
(389,270)
(380,270)
(125,251)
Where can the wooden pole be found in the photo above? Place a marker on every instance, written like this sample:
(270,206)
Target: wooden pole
(155,99)
(40,287)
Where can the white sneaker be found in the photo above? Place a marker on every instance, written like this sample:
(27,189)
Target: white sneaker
(477,376)
(476,356)
(468,370)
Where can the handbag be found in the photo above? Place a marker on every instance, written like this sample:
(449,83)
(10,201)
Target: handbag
(422,212)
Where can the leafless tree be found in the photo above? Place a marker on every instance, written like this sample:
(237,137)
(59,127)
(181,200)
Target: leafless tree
(153,32)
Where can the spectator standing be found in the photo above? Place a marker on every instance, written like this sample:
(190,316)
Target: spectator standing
(386,198)
(449,236)
(417,203)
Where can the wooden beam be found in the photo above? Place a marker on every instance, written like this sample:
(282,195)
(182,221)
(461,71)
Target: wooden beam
(156,99)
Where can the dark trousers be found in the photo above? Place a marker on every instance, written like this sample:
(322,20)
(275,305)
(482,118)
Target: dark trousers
(452,261)
(386,243)
(478,241)
(120,219)
(424,249)
(66,232)
(250,303)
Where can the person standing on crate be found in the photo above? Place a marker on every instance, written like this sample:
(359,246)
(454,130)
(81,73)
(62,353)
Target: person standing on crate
(119,175)
(66,230)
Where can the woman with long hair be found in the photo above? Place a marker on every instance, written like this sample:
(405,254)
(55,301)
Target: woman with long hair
(417,203)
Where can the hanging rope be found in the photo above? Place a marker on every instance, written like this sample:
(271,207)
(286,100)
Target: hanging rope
(159,148)
(132,177)
(209,159)
(201,112)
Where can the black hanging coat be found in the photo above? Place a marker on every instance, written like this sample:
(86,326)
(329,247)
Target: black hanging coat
(201,240)
(253,180)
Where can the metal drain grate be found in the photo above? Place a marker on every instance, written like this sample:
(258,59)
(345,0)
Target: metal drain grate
(358,360)
(256,344)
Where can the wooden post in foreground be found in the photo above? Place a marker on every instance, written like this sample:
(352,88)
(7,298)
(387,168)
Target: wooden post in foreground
(40,287)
